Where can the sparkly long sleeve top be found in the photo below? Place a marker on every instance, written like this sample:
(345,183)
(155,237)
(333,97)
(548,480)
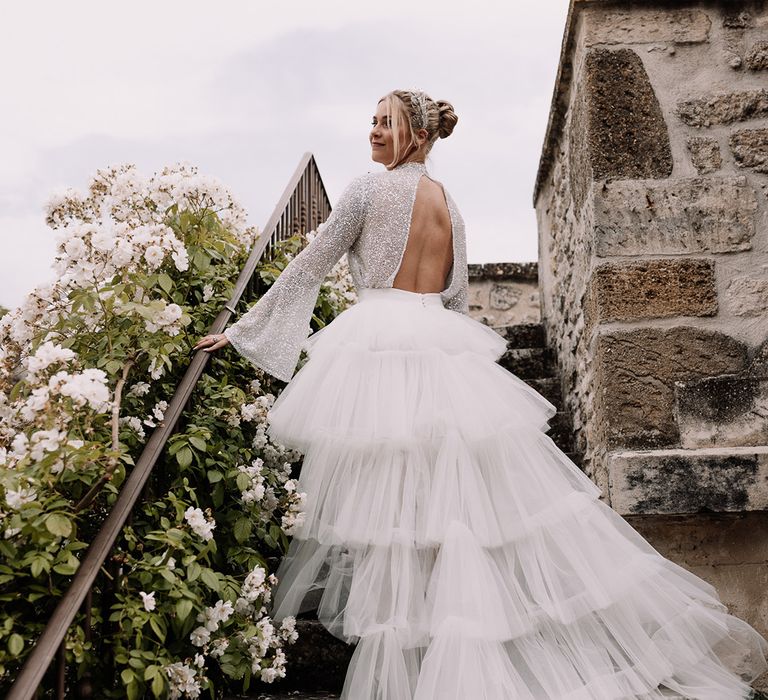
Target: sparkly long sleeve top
(370,224)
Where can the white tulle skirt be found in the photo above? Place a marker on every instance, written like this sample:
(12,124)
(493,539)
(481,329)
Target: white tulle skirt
(466,555)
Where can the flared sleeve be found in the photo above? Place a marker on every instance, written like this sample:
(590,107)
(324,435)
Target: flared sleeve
(270,334)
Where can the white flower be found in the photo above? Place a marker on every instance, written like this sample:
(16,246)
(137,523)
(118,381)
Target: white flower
(123,253)
(207,292)
(219,647)
(202,527)
(199,660)
(181,679)
(11,532)
(103,240)
(180,259)
(133,423)
(75,248)
(16,499)
(199,636)
(156,368)
(160,409)
(154,256)
(268,674)
(47,354)
(87,387)
(212,617)
(43,441)
(249,411)
(149,600)
(139,389)
(165,319)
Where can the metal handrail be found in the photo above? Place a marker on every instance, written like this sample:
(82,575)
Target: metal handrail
(303,205)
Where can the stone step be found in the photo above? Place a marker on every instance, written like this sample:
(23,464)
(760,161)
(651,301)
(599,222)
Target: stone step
(560,430)
(523,335)
(529,363)
(549,388)
(317,661)
(577,458)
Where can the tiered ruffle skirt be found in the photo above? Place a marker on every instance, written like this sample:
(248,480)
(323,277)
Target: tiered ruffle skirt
(467,556)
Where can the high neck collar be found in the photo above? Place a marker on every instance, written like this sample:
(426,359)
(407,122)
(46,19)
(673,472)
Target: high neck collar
(410,165)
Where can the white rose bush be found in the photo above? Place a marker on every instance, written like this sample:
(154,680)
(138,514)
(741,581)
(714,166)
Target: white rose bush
(88,365)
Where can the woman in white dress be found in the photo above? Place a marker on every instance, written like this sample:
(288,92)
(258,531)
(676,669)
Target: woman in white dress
(445,533)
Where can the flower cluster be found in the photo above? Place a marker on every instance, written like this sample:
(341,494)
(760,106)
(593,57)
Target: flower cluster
(87,364)
(255,593)
(200,525)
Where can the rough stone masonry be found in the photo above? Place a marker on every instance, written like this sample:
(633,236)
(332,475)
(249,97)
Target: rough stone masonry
(652,208)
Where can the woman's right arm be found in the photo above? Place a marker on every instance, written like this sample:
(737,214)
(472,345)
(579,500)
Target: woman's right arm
(271,332)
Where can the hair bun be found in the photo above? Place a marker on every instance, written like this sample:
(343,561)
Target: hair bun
(447,118)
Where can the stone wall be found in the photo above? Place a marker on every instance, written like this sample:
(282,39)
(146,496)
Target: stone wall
(502,294)
(652,209)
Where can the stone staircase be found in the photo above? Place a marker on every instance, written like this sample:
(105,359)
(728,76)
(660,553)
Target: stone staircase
(317,662)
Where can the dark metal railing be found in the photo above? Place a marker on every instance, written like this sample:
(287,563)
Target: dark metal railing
(302,207)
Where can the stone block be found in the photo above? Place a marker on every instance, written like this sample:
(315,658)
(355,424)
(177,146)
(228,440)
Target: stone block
(757,56)
(737,19)
(643,26)
(747,296)
(687,215)
(626,133)
(635,372)
(758,366)
(504,296)
(722,411)
(705,154)
(725,108)
(658,288)
(718,480)
(750,149)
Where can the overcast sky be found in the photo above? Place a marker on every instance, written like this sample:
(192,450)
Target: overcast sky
(242,89)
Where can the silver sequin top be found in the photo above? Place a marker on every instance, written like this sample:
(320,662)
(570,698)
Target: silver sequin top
(370,223)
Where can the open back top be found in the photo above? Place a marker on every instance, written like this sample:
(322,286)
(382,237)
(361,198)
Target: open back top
(371,224)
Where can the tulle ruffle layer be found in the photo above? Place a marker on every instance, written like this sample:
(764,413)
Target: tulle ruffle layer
(466,555)
(397,373)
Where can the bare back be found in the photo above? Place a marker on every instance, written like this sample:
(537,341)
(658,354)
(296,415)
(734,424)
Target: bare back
(428,254)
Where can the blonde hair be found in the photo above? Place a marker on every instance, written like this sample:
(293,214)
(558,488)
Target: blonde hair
(401,106)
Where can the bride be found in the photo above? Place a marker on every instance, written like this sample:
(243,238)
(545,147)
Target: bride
(446,535)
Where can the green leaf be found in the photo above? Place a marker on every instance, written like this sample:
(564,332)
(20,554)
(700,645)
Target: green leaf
(15,644)
(113,366)
(197,442)
(243,481)
(210,579)
(158,686)
(193,571)
(67,568)
(158,630)
(242,530)
(38,566)
(184,457)
(58,524)
(165,282)
(150,671)
(133,690)
(127,675)
(214,476)
(183,608)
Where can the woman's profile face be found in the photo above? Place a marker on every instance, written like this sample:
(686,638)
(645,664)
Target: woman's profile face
(380,137)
